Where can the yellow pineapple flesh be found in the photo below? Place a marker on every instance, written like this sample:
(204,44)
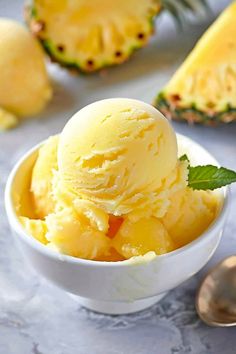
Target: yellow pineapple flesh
(203,88)
(89,35)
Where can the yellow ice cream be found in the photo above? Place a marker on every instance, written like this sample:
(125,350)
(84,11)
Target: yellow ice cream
(42,175)
(141,237)
(189,214)
(116,152)
(24,82)
(62,198)
(36,228)
(110,186)
(72,234)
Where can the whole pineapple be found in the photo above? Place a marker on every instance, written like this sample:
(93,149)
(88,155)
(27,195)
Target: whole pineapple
(90,35)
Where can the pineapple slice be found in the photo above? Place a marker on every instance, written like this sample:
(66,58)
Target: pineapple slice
(92,34)
(203,88)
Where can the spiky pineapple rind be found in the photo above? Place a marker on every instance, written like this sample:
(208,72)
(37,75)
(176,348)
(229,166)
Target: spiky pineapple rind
(76,66)
(172,109)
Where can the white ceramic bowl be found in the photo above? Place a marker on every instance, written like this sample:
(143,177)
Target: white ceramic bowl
(116,287)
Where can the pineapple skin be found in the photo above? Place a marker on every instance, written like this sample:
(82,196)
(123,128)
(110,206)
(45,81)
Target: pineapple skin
(203,89)
(192,114)
(37,27)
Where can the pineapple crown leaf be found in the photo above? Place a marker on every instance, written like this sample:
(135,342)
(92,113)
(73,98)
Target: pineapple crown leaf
(180,8)
(208,177)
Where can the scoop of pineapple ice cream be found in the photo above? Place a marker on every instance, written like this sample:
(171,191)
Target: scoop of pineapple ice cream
(138,238)
(24,83)
(190,213)
(116,152)
(42,175)
(72,234)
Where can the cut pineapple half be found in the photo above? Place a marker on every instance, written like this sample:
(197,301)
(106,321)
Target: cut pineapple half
(93,34)
(203,88)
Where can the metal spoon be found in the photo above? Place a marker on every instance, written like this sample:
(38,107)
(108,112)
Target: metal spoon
(216,297)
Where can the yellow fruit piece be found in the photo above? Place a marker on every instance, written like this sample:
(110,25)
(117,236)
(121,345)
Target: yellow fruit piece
(73,236)
(35,228)
(208,74)
(24,82)
(7,120)
(55,6)
(42,175)
(203,88)
(93,34)
(189,214)
(145,235)
(91,44)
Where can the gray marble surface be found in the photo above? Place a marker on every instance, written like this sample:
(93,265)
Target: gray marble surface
(36,317)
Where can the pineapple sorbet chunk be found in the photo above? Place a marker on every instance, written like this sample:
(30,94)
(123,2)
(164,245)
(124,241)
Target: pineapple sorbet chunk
(72,235)
(189,214)
(36,228)
(145,235)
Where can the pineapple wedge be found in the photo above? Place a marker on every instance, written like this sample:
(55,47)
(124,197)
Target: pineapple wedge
(203,88)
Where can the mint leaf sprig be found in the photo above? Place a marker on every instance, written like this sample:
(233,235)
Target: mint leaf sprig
(208,176)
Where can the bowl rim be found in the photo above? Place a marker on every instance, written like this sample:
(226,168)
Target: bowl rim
(32,242)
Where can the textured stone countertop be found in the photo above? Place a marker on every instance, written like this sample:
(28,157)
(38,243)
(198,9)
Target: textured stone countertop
(38,318)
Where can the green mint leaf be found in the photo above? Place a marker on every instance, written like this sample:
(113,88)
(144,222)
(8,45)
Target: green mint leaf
(210,177)
(184,158)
